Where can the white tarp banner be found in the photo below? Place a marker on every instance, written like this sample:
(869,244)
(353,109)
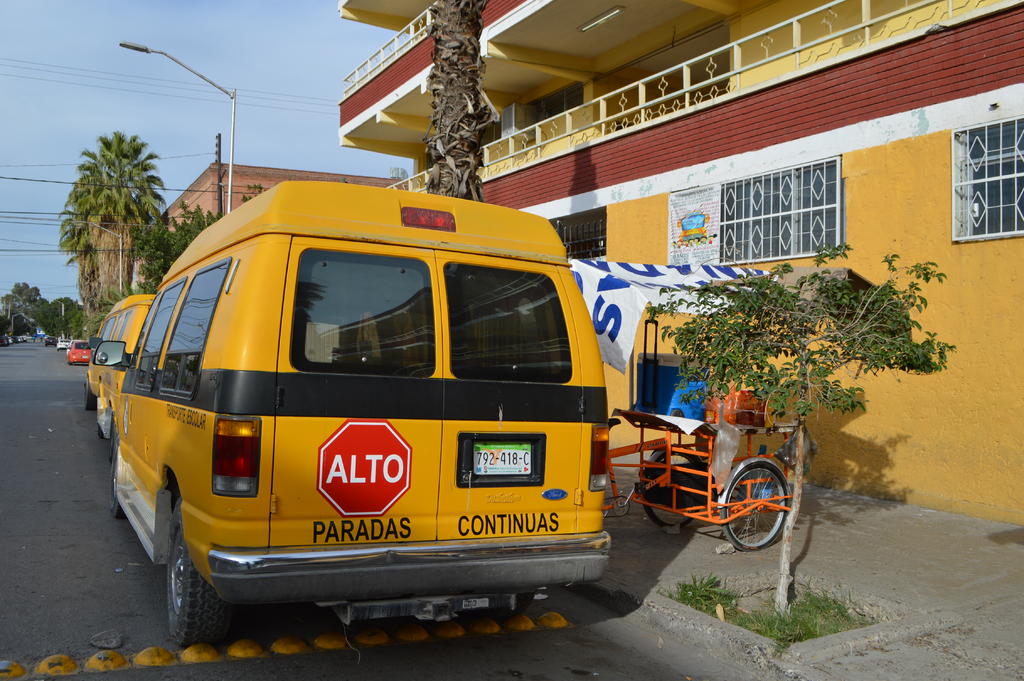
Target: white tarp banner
(616,294)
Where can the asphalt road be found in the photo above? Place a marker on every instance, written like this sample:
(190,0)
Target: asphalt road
(68,571)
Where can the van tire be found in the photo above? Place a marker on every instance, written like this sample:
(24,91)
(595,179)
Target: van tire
(196,614)
(90,399)
(115,506)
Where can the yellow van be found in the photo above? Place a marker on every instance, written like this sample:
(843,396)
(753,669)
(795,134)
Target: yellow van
(102,384)
(385,402)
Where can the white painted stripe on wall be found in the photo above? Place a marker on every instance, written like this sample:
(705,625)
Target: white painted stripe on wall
(1007,102)
(417,82)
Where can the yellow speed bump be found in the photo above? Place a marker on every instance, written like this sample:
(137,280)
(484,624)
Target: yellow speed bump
(289,645)
(56,665)
(552,620)
(484,625)
(10,669)
(519,623)
(155,656)
(105,661)
(449,629)
(331,640)
(373,637)
(199,652)
(246,648)
(411,633)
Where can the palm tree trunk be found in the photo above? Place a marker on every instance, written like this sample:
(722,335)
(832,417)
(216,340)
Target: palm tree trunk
(460,111)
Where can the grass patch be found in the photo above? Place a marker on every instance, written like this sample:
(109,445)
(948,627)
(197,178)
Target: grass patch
(704,593)
(811,615)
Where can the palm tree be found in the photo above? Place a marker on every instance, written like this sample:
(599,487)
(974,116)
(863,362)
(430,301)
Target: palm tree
(117,189)
(460,110)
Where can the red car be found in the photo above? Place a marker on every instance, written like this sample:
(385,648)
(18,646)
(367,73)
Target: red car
(79,352)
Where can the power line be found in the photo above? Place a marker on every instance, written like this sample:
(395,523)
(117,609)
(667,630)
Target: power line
(106,186)
(18,241)
(54,165)
(165,80)
(164,94)
(187,87)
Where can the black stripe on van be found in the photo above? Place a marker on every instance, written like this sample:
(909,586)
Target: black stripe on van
(226,391)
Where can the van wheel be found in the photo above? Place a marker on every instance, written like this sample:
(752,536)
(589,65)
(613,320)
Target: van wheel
(90,399)
(115,506)
(196,614)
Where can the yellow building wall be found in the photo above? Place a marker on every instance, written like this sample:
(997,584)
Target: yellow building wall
(946,441)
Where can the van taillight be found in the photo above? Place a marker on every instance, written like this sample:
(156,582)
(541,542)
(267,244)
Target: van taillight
(598,458)
(429,218)
(236,456)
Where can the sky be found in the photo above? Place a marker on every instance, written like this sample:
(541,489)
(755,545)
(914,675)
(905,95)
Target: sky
(64,82)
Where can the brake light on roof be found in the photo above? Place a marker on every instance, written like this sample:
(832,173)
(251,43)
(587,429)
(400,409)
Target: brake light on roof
(428,218)
(236,456)
(598,458)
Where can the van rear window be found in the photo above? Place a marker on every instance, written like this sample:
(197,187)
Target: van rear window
(358,313)
(506,325)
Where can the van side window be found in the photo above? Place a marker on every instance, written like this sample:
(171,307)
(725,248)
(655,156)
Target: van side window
(122,325)
(357,313)
(106,333)
(160,317)
(506,325)
(184,353)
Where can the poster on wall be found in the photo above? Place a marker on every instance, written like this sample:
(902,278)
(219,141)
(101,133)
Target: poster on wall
(693,230)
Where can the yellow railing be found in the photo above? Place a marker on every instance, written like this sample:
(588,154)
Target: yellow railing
(836,31)
(415,31)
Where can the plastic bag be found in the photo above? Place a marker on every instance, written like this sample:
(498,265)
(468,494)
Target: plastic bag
(727,443)
(787,452)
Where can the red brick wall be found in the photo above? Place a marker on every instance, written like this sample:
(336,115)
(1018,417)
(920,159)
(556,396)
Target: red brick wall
(408,65)
(959,62)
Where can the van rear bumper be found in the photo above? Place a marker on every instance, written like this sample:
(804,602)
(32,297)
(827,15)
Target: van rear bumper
(516,564)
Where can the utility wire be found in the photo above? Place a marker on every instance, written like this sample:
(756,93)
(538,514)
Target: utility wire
(189,87)
(100,184)
(165,94)
(165,80)
(54,165)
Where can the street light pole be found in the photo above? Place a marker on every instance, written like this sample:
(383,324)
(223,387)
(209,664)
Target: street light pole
(120,253)
(230,93)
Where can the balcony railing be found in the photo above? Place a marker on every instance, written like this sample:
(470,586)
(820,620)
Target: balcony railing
(415,31)
(836,31)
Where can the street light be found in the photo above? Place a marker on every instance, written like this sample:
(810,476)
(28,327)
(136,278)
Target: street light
(229,93)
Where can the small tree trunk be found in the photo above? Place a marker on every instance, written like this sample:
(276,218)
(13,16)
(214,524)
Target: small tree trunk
(785,568)
(460,110)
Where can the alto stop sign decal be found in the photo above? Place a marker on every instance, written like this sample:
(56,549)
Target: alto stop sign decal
(364,467)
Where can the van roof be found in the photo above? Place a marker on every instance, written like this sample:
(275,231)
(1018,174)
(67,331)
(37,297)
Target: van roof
(139,299)
(361,213)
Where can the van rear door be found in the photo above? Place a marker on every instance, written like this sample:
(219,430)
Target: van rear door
(513,436)
(359,397)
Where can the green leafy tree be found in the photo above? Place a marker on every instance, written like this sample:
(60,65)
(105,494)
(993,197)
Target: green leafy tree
(21,307)
(62,317)
(158,246)
(117,190)
(803,341)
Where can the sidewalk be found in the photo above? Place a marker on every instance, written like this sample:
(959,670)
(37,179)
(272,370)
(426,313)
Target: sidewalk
(948,589)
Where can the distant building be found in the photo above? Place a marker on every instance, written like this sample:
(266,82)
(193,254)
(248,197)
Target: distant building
(250,181)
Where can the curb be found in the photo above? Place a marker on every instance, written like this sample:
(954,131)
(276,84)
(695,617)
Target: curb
(753,651)
(826,648)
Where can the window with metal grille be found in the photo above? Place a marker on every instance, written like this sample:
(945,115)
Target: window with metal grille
(988,181)
(782,214)
(584,234)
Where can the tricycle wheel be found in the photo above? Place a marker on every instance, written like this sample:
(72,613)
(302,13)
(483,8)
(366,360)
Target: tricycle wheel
(664,495)
(759,528)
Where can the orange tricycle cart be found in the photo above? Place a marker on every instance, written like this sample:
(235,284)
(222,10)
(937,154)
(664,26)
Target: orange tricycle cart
(682,474)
